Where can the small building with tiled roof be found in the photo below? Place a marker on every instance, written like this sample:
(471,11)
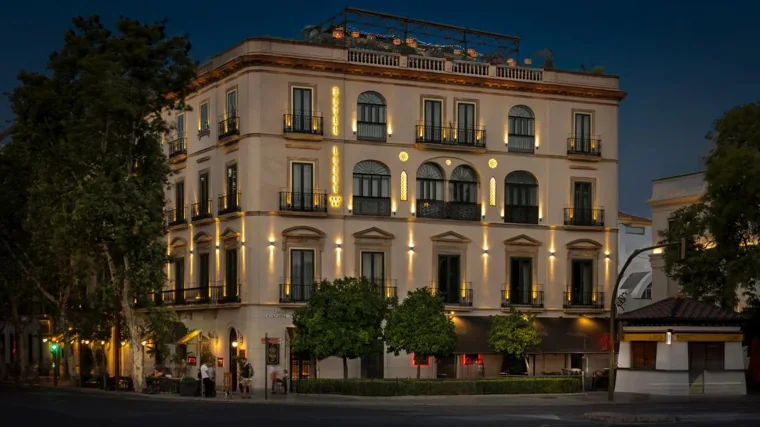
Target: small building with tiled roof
(680,346)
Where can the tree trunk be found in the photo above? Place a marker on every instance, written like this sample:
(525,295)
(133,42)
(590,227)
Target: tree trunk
(19,326)
(133,328)
(345,368)
(527,365)
(418,371)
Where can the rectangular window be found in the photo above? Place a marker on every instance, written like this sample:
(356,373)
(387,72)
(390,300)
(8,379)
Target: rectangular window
(179,279)
(302,274)
(370,185)
(449,279)
(232,183)
(302,109)
(582,198)
(465,122)
(231,107)
(203,271)
(302,186)
(203,194)
(647,294)
(231,273)
(433,121)
(634,230)
(582,126)
(521,280)
(180,126)
(204,117)
(179,197)
(644,354)
(707,356)
(373,267)
(582,281)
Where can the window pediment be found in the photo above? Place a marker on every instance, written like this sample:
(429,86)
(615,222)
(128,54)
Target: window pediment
(522,240)
(203,240)
(450,237)
(584,245)
(373,233)
(303,232)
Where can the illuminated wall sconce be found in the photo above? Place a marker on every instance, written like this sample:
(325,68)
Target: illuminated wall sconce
(349,210)
(551,254)
(102,343)
(144,342)
(669,337)
(234,344)
(44,340)
(485,251)
(483,217)
(338,246)
(217,246)
(607,256)
(271,243)
(191,251)
(242,244)
(411,248)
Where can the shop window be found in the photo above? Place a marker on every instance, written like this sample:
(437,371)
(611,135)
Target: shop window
(417,361)
(644,355)
(472,359)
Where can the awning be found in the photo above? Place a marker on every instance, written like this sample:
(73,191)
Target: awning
(190,336)
(573,335)
(472,334)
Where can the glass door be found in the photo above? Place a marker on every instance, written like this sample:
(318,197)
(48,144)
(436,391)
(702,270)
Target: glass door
(231,276)
(204,196)
(231,111)
(179,280)
(466,123)
(301,274)
(449,279)
(520,283)
(180,199)
(582,132)
(203,275)
(302,109)
(433,119)
(232,196)
(373,267)
(582,204)
(302,191)
(582,278)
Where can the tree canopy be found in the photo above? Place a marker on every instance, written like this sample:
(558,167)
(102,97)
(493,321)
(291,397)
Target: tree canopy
(723,229)
(420,326)
(513,334)
(342,319)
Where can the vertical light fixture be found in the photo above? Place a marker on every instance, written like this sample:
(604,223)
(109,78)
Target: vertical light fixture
(492,192)
(404,193)
(335,110)
(335,198)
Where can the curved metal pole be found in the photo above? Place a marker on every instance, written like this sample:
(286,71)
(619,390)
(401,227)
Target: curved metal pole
(613,314)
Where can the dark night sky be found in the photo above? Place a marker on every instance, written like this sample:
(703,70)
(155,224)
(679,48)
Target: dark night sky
(683,63)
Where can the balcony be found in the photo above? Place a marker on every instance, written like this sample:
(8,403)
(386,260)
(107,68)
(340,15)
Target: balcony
(463,211)
(177,149)
(368,131)
(533,299)
(451,136)
(229,204)
(592,300)
(303,126)
(584,148)
(376,206)
(386,288)
(521,143)
(296,293)
(521,214)
(201,210)
(229,129)
(176,216)
(584,217)
(461,297)
(218,294)
(291,201)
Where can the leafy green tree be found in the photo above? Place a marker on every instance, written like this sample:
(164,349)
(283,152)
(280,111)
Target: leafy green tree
(419,326)
(342,319)
(94,123)
(723,230)
(513,335)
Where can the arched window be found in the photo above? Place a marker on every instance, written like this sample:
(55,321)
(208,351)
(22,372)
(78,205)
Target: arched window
(521,198)
(522,129)
(463,185)
(370,117)
(372,188)
(429,182)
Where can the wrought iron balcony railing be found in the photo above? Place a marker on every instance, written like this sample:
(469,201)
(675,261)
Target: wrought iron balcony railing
(177,146)
(521,143)
(201,210)
(584,217)
(298,292)
(229,203)
(303,123)
(584,146)
(451,135)
(378,206)
(583,300)
(294,201)
(176,216)
(521,214)
(466,211)
(369,131)
(520,298)
(461,297)
(229,126)
(386,288)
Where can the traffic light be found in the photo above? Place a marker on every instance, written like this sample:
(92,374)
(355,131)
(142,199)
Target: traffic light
(54,347)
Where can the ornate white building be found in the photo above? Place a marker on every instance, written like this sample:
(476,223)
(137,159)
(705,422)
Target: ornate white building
(357,154)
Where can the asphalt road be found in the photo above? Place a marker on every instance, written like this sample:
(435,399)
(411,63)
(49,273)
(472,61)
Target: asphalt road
(32,406)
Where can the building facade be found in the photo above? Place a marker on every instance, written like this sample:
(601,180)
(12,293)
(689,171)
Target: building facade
(301,161)
(634,232)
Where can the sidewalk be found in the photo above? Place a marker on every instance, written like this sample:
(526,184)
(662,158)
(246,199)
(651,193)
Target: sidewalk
(511,400)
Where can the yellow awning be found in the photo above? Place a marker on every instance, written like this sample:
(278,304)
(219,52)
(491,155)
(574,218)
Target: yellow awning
(190,336)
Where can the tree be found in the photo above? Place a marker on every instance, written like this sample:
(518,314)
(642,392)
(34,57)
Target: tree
(419,326)
(724,228)
(94,122)
(513,335)
(342,319)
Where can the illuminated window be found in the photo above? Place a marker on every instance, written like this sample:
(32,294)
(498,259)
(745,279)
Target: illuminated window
(492,192)
(419,361)
(404,195)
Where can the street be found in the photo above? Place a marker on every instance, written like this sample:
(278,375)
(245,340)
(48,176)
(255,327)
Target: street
(24,406)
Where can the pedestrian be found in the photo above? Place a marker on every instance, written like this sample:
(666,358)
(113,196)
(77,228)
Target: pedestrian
(246,377)
(212,379)
(207,383)
(273,371)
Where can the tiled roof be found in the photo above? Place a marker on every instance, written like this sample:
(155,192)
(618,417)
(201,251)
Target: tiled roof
(682,309)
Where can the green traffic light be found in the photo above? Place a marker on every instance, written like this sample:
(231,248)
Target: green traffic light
(54,347)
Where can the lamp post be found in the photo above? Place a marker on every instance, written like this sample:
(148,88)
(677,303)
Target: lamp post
(613,306)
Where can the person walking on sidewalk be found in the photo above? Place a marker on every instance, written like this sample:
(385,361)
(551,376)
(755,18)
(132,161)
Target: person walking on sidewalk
(208,385)
(273,371)
(246,377)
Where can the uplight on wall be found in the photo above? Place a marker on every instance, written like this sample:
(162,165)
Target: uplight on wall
(669,338)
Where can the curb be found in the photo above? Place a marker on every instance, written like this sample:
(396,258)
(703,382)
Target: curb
(618,418)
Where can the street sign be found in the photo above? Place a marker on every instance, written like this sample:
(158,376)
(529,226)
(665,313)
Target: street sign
(271,341)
